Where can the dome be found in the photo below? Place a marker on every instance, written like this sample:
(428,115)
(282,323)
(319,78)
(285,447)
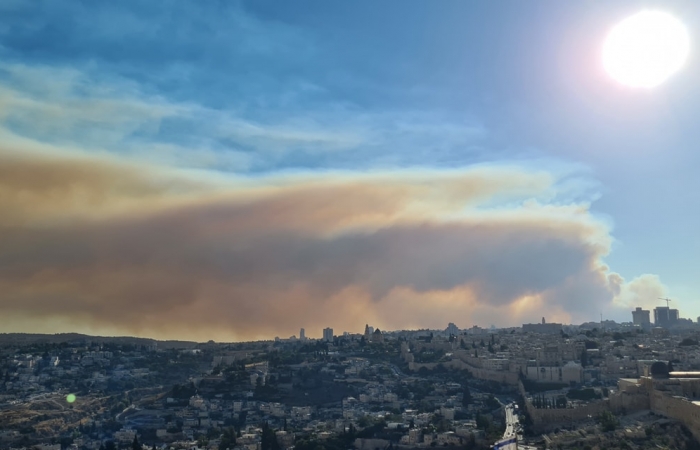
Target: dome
(659,370)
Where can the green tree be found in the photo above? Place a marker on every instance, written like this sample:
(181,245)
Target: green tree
(608,421)
(688,342)
(482,422)
(136,445)
(584,358)
(466,396)
(268,439)
(228,439)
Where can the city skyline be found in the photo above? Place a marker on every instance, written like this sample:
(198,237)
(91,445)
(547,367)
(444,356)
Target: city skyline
(327,333)
(239,170)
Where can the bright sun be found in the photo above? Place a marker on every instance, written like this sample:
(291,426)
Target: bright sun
(645,49)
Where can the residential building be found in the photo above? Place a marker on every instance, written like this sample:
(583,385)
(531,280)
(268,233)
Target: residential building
(641,317)
(328,334)
(665,316)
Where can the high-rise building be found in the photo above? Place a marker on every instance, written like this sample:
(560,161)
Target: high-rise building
(452,329)
(673,315)
(328,334)
(302,334)
(641,317)
(661,316)
(665,316)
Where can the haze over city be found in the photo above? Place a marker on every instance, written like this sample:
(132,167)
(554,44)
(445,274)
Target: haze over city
(239,170)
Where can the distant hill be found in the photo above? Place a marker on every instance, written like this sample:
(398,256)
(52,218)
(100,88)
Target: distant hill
(33,338)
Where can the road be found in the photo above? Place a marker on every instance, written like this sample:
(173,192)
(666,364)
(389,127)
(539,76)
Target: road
(510,436)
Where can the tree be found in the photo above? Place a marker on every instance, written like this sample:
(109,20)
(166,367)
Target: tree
(584,358)
(268,439)
(608,421)
(688,342)
(110,445)
(228,439)
(66,442)
(136,445)
(466,396)
(482,422)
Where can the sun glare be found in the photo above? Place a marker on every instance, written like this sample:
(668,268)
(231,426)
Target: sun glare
(645,49)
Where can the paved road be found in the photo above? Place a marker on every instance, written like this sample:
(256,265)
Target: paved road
(510,436)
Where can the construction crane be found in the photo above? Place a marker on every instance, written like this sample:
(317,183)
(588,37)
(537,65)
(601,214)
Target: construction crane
(666,300)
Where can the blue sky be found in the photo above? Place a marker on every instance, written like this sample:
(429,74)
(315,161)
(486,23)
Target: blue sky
(264,89)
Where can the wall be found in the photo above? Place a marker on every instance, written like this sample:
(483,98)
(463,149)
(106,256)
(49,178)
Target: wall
(543,418)
(482,374)
(630,398)
(679,409)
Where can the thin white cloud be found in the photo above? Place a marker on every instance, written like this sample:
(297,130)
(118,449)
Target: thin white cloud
(67,106)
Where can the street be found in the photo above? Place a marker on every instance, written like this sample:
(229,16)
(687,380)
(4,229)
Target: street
(510,436)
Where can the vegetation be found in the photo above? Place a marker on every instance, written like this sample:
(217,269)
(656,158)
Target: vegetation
(687,342)
(269,439)
(535,387)
(608,421)
(583,394)
(228,439)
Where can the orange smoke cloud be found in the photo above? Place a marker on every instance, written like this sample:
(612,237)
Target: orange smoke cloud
(102,246)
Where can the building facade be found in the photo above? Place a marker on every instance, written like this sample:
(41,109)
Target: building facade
(328,334)
(641,317)
(665,316)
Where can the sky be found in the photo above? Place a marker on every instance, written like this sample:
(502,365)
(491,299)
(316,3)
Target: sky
(236,170)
